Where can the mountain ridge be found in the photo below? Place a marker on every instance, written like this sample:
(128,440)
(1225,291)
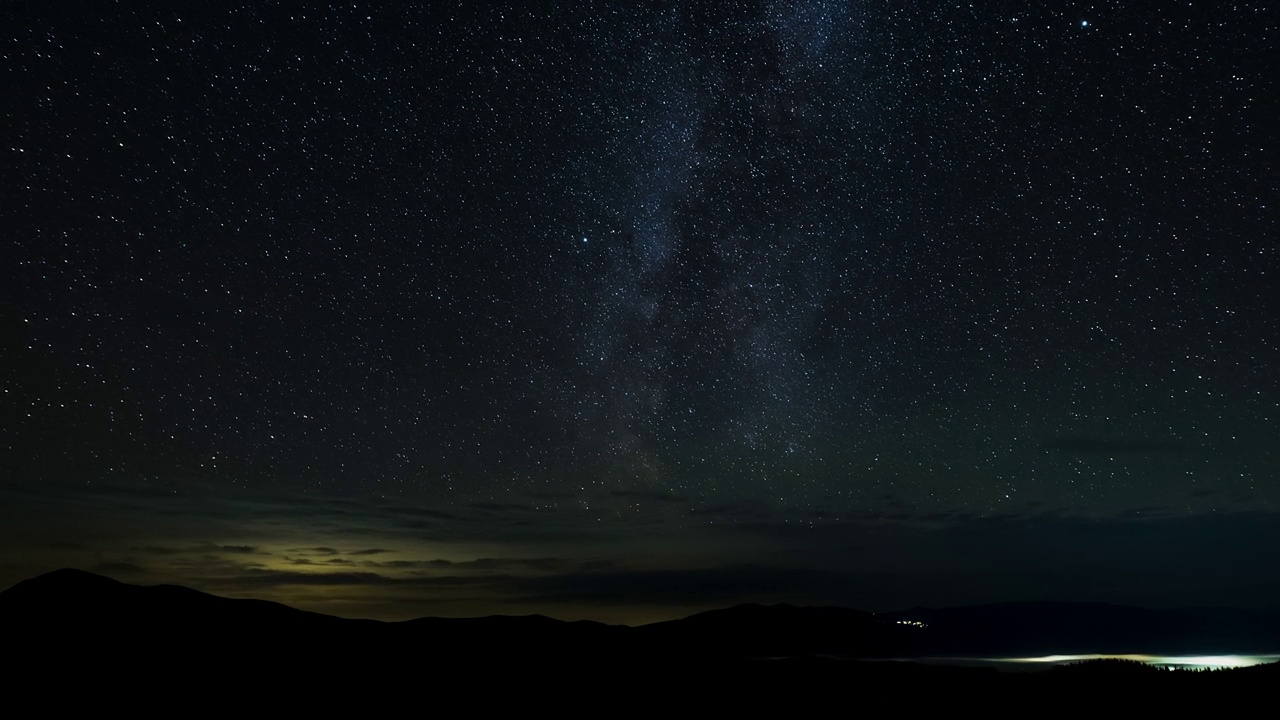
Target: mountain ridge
(79,606)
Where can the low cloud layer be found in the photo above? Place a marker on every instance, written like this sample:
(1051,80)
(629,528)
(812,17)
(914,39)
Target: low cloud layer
(664,560)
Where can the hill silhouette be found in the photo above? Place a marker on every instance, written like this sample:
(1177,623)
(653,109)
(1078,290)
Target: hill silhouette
(76,604)
(778,631)
(71,623)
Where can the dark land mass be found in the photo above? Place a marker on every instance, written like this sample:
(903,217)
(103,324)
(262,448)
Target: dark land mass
(75,629)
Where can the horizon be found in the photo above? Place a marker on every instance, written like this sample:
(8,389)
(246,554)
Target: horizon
(765,606)
(622,311)
(391,573)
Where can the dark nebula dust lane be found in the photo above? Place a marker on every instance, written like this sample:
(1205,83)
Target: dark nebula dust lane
(621,311)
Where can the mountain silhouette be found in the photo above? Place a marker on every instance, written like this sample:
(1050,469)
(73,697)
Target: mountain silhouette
(758,631)
(76,605)
(75,624)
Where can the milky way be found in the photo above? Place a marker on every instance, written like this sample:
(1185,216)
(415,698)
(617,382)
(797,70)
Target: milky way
(641,288)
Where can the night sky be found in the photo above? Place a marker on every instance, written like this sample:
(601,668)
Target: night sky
(625,310)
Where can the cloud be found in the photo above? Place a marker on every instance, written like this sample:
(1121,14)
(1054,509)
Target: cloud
(197,549)
(263,579)
(276,578)
(543,564)
(546,564)
(118,568)
(666,555)
(155,550)
(700,586)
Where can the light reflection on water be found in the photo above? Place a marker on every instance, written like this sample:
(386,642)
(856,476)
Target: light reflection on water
(1189,662)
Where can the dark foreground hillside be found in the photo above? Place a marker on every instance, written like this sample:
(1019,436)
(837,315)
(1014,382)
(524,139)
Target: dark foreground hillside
(79,638)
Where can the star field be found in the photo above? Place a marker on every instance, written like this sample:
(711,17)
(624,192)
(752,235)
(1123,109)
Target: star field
(639,289)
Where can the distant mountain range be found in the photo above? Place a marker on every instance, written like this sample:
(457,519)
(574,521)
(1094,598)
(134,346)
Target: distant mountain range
(95,614)
(72,640)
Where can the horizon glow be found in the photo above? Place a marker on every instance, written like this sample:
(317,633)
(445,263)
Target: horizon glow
(1211,662)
